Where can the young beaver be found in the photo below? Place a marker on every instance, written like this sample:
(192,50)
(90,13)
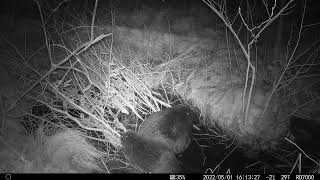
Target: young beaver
(148,154)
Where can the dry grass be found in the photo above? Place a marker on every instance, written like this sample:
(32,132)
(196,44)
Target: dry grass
(92,77)
(65,151)
(91,69)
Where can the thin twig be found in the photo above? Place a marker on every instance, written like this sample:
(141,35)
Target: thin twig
(287,66)
(305,154)
(297,162)
(93,19)
(218,165)
(77,51)
(45,32)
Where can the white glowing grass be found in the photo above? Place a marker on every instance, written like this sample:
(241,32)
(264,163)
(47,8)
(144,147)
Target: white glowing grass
(93,80)
(65,151)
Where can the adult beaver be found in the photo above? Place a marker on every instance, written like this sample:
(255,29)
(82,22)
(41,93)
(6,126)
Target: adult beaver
(171,126)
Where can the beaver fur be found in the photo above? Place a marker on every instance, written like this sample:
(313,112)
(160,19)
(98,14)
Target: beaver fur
(171,126)
(148,154)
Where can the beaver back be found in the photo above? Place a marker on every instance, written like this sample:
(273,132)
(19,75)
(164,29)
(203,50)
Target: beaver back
(148,154)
